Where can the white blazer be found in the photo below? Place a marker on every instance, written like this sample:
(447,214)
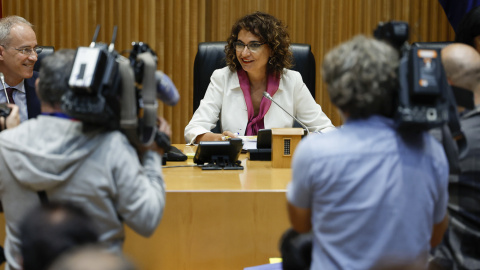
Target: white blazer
(224,100)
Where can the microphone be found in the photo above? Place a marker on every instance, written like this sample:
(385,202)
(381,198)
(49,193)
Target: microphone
(166,90)
(2,78)
(267,95)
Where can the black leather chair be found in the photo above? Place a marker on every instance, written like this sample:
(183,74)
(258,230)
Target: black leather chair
(47,50)
(211,56)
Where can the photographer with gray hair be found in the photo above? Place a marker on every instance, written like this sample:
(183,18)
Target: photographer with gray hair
(368,193)
(54,157)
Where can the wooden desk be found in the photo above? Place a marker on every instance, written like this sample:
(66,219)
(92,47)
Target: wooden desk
(216,219)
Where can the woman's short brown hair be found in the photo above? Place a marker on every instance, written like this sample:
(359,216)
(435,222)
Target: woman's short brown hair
(271,31)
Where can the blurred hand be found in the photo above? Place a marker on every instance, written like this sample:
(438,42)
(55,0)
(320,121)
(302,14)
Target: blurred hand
(13,119)
(209,136)
(164,127)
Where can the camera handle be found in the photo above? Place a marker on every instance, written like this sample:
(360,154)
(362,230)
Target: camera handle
(163,141)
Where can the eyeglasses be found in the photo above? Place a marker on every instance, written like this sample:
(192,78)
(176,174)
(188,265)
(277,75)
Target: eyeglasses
(253,46)
(28,51)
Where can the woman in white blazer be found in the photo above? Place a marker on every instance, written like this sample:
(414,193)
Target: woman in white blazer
(258,58)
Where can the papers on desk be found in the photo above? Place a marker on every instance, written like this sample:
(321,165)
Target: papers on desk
(249,142)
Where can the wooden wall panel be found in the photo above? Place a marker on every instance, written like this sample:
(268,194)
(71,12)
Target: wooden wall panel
(173,28)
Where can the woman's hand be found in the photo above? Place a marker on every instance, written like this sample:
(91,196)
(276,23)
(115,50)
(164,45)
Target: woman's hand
(228,134)
(209,136)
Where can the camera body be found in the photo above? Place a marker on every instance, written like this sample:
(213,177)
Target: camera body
(422,101)
(425,100)
(114,92)
(95,86)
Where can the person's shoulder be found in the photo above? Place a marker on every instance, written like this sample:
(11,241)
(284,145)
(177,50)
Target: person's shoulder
(290,79)
(290,74)
(222,72)
(114,142)
(472,116)
(115,136)
(20,134)
(225,78)
(434,148)
(324,143)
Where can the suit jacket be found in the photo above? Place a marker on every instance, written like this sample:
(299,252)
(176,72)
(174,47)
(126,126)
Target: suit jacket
(33,103)
(224,100)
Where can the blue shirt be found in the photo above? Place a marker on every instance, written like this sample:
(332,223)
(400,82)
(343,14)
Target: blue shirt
(373,196)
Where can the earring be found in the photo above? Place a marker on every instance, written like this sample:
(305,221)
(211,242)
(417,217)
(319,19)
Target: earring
(270,61)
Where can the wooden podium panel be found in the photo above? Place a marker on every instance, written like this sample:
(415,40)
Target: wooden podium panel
(213,230)
(216,219)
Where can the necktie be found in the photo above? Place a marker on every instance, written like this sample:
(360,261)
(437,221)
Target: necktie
(10,95)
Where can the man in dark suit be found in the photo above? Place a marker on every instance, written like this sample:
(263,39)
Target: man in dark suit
(460,246)
(18,54)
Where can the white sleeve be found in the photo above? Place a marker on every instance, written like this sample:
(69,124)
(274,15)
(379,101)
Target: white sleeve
(208,112)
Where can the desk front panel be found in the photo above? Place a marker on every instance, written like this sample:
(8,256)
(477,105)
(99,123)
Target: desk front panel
(213,230)
(216,219)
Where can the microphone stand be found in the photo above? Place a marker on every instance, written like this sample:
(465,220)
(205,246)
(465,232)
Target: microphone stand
(2,78)
(267,95)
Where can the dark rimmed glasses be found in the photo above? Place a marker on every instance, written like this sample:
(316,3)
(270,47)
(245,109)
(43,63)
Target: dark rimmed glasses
(252,46)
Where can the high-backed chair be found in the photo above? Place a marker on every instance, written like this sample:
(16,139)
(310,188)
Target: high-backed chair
(211,56)
(47,50)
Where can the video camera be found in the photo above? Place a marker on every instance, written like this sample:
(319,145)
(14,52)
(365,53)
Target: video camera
(118,93)
(4,110)
(425,100)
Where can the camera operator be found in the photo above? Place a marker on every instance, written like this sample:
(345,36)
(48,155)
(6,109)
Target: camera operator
(370,194)
(459,248)
(9,118)
(54,157)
